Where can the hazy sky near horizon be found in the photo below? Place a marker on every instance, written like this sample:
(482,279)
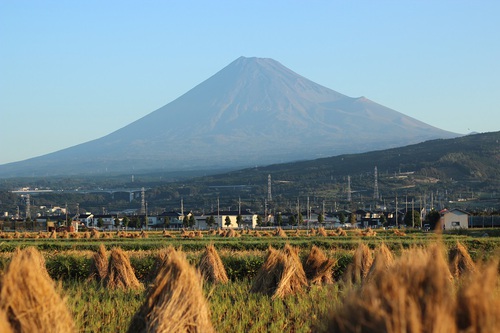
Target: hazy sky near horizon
(74,71)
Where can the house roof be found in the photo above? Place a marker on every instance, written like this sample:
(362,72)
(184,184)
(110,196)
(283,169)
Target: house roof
(446,211)
(170,214)
(104,216)
(229,212)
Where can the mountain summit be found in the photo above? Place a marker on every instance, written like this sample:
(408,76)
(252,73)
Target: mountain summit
(254,111)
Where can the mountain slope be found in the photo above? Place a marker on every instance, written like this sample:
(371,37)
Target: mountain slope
(467,159)
(254,111)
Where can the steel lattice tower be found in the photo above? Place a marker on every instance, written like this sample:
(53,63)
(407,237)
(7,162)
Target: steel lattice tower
(269,195)
(375,186)
(143,201)
(28,206)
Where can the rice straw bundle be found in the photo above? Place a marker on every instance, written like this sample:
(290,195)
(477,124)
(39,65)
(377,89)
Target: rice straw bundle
(279,232)
(369,232)
(322,232)
(28,296)
(281,274)
(94,233)
(460,260)
(4,323)
(318,267)
(100,262)
(175,302)
(358,270)
(230,233)
(478,305)
(211,266)
(414,296)
(120,273)
(381,263)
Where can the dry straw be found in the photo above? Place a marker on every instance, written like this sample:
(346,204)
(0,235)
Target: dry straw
(322,232)
(167,234)
(4,323)
(231,233)
(318,267)
(281,274)
(279,232)
(120,273)
(414,295)
(399,233)
(339,232)
(269,274)
(175,302)
(100,262)
(368,232)
(478,302)
(357,271)
(460,260)
(161,260)
(29,298)
(381,263)
(211,266)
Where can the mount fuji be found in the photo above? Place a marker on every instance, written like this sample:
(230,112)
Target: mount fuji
(254,111)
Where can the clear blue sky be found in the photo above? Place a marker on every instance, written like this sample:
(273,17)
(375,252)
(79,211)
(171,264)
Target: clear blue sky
(73,71)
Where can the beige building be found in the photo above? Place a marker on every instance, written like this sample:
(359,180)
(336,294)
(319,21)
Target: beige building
(454,219)
(249,220)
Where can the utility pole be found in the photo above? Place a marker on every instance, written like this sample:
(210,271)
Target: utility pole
(298,211)
(146,215)
(397,223)
(349,198)
(219,222)
(182,207)
(413,213)
(406,203)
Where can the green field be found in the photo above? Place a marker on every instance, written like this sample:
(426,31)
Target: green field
(233,307)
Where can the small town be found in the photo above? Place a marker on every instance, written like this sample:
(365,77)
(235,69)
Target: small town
(61,219)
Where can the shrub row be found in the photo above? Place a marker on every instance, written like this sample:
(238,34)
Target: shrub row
(481,244)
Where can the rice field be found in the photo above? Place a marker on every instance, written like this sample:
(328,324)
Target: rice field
(281,282)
